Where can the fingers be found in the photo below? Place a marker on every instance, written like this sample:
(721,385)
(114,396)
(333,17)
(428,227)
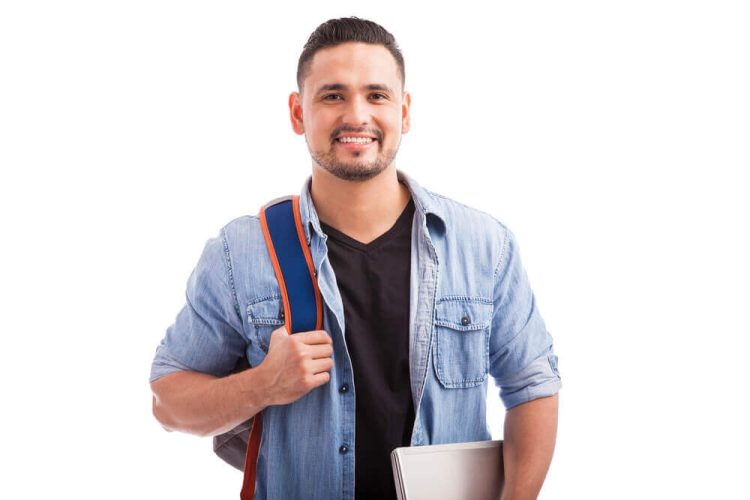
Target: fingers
(320,365)
(318,351)
(314,337)
(320,378)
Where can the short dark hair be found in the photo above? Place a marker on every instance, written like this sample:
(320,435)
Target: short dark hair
(347,29)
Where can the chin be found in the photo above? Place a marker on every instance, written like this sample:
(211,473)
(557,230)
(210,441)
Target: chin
(357,173)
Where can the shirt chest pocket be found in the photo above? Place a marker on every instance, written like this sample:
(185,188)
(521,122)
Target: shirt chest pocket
(462,332)
(265,315)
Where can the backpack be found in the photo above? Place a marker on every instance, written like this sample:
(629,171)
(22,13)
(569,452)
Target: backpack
(281,223)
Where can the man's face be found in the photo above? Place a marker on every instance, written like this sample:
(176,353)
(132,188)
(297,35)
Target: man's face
(352,110)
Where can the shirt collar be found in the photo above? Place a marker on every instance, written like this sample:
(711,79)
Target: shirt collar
(423,201)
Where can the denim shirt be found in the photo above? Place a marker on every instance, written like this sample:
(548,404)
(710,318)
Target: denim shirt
(472,313)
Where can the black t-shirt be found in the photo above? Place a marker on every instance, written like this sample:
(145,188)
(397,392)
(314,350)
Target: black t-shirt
(373,280)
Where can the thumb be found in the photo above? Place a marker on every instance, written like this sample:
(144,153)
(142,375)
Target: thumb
(278,333)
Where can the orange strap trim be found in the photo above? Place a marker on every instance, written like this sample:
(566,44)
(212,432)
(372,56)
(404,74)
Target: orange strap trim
(277,271)
(310,265)
(253,445)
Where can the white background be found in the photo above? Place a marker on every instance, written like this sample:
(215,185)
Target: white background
(611,137)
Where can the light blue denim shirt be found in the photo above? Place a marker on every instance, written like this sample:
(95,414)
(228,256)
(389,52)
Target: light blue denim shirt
(472,313)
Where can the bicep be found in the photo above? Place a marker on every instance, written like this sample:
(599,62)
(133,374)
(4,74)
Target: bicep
(206,335)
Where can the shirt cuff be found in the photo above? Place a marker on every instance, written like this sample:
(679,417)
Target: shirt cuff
(537,380)
(165,363)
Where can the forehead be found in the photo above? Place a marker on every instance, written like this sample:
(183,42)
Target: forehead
(353,64)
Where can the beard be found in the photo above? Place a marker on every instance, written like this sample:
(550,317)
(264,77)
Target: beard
(353,169)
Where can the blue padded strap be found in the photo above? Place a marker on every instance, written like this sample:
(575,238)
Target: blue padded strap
(300,289)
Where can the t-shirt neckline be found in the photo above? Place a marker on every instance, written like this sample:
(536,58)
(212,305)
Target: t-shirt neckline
(377,242)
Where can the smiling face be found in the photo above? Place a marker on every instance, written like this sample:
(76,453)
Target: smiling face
(352,110)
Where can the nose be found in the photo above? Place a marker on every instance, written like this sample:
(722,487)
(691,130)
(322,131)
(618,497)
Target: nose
(356,111)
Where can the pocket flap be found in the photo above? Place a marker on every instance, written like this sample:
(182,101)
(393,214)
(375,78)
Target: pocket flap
(463,314)
(266,311)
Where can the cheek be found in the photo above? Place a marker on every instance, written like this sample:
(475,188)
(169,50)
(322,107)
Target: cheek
(393,121)
(322,126)
(315,134)
(393,129)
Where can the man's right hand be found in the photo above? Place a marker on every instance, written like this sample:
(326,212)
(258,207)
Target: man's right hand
(296,364)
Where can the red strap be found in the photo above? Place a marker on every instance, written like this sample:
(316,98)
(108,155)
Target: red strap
(251,459)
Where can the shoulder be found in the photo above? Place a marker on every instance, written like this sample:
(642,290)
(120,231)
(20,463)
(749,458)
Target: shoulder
(243,242)
(227,250)
(470,245)
(241,228)
(466,222)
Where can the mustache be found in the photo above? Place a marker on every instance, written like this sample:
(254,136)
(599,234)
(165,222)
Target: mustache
(346,128)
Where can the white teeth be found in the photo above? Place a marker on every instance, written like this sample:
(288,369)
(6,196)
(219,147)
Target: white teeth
(357,140)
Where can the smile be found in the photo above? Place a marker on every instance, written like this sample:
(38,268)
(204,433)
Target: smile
(355,140)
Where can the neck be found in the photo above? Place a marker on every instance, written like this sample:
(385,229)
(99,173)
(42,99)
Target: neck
(361,210)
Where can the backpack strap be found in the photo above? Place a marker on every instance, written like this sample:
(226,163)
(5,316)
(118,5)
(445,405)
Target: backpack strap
(303,305)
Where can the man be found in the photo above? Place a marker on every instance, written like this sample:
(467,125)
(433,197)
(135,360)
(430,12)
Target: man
(423,298)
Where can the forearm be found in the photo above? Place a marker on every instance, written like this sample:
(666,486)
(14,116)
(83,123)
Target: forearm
(528,444)
(201,404)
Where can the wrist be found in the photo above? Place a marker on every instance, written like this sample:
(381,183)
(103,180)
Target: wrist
(254,388)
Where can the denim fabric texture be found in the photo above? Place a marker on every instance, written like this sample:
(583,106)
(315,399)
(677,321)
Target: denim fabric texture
(472,312)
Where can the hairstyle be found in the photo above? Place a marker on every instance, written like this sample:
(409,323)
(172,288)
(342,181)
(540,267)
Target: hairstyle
(347,29)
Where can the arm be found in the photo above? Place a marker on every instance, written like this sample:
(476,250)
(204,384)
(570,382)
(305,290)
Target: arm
(529,441)
(524,366)
(205,405)
(205,341)
(193,388)
(202,404)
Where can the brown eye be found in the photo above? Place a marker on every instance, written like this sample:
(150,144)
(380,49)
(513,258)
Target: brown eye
(329,96)
(380,97)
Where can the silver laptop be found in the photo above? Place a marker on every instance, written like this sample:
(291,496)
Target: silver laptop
(449,471)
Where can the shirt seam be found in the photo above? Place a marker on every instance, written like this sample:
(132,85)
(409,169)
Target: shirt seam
(230,273)
(503,251)
(496,277)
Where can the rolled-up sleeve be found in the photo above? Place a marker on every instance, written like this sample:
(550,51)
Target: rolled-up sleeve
(205,336)
(522,360)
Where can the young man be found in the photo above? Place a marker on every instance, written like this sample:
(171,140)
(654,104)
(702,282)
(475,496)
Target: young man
(423,297)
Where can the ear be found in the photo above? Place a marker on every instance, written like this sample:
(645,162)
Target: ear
(405,113)
(295,112)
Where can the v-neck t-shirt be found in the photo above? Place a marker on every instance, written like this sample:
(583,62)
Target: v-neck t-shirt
(373,280)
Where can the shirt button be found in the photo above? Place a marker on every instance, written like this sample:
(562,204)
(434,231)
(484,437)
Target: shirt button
(281,315)
(344,388)
(343,448)
(465,321)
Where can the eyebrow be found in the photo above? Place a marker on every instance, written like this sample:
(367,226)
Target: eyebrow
(340,86)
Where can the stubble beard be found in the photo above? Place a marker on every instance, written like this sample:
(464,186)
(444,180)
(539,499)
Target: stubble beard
(353,170)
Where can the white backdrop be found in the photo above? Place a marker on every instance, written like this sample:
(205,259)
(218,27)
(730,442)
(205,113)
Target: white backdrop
(611,137)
